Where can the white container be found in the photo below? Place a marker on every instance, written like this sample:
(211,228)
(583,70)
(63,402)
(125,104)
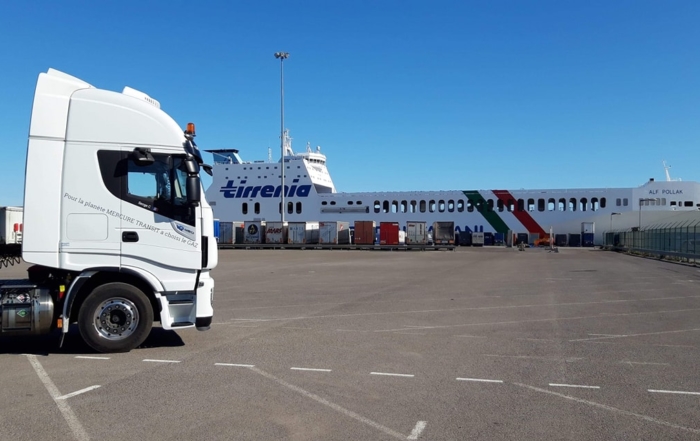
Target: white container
(254,232)
(334,232)
(11,227)
(402,237)
(302,232)
(276,232)
(477,239)
(416,233)
(587,227)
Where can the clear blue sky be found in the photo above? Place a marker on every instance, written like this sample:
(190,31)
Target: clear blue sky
(400,95)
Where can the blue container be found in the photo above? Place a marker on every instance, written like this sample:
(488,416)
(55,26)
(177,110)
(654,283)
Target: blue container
(499,238)
(488,239)
(587,239)
(216,229)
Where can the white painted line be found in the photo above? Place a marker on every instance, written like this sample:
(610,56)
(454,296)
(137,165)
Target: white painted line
(574,385)
(673,392)
(390,374)
(638,335)
(161,361)
(78,431)
(332,405)
(310,369)
(235,365)
(77,392)
(536,357)
(470,336)
(87,357)
(610,408)
(645,363)
(482,380)
(415,433)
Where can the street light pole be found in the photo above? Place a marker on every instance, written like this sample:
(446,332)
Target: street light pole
(281,56)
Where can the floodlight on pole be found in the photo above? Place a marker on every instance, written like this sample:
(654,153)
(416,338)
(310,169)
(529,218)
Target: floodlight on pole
(282,56)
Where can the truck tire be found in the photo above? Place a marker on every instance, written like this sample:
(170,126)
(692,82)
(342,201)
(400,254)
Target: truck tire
(115,317)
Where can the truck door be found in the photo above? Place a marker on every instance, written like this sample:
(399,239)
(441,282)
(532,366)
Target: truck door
(159,229)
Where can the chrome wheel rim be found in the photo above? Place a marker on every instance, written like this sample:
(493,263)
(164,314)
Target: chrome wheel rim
(116,318)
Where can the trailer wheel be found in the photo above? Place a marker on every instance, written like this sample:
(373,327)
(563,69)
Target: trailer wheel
(115,317)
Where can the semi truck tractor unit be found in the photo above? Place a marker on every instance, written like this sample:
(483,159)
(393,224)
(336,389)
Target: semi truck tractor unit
(116,228)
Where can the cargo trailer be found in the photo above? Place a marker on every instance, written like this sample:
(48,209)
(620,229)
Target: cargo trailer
(465,238)
(276,232)
(478,239)
(334,232)
(302,232)
(364,232)
(416,233)
(254,232)
(388,233)
(11,226)
(574,240)
(226,233)
(444,233)
(560,240)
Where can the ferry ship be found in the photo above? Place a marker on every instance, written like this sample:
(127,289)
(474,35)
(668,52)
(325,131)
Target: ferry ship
(251,190)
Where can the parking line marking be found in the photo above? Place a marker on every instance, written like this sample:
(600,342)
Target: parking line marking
(415,433)
(638,335)
(391,375)
(610,408)
(483,380)
(332,405)
(78,430)
(161,361)
(87,357)
(309,369)
(235,365)
(673,392)
(645,363)
(574,385)
(77,392)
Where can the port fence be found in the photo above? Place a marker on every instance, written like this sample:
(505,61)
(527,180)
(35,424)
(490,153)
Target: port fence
(679,241)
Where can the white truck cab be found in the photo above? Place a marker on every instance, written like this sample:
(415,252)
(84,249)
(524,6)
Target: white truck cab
(115,219)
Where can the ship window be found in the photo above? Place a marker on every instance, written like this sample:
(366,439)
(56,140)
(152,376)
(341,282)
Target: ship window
(290,207)
(511,205)
(595,206)
(489,205)
(540,204)
(688,204)
(404,206)
(470,206)
(280,207)
(257,208)
(663,201)
(602,202)
(359,202)
(584,204)
(521,205)
(625,202)
(267,168)
(673,203)
(618,202)
(480,206)
(562,204)
(431,206)
(551,205)
(385,207)
(324,203)
(377,207)
(460,205)
(349,202)
(451,206)
(572,204)
(422,206)
(499,205)
(258,168)
(530,205)
(244,208)
(394,207)
(412,207)
(298,207)
(441,206)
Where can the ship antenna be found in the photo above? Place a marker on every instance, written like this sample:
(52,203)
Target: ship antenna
(269,154)
(666,167)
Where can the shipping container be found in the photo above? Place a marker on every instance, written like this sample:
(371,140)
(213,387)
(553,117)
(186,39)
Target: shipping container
(364,232)
(335,232)
(574,240)
(388,233)
(216,229)
(226,233)
(444,233)
(254,232)
(11,226)
(488,239)
(465,238)
(416,233)
(587,227)
(478,239)
(560,240)
(587,239)
(302,232)
(276,232)
(239,229)
(499,239)
(522,238)
(532,238)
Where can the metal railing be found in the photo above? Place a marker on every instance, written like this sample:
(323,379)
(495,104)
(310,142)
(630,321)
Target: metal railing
(678,241)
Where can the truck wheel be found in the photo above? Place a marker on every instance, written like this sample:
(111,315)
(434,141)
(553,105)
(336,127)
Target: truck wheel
(115,317)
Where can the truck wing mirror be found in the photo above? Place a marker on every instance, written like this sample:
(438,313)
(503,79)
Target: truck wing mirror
(142,157)
(193,189)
